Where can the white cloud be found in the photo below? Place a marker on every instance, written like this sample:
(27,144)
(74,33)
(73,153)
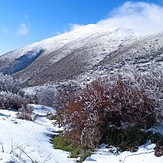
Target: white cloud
(139,16)
(5,31)
(26,16)
(74,26)
(22,29)
(69,27)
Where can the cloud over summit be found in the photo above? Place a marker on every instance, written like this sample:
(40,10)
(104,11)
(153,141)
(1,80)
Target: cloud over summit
(144,18)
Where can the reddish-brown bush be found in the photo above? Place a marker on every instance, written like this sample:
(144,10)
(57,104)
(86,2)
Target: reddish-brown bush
(132,103)
(85,113)
(120,101)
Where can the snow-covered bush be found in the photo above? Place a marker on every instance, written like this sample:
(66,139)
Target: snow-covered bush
(99,106)
(46,96)
(154,85)
(9,84)
(9,100)
(151,82)
(26,113)
(131,101)
(66,92)
(122,100)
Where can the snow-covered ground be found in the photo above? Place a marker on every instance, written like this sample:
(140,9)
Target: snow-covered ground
(145,154)
(24,141)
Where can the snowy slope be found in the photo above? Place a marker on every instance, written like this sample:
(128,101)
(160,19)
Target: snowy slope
(48,45)
(85,51)
(87,44)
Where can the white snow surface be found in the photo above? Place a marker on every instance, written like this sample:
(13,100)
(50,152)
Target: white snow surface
(145,154)
(24,141)
(19,138)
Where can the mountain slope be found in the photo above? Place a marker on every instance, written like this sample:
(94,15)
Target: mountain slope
(47,45)
(88,50)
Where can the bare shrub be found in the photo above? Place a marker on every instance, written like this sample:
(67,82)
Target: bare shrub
(9,84)
(10,100)
(46,96)
(154,85)
(66,92)
(85,115)
(120,101)
(26,113)
(131,103)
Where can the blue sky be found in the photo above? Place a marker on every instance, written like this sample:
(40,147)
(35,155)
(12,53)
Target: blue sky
(26,21)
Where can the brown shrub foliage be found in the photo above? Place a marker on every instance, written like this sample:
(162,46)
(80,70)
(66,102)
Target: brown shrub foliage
(119,101)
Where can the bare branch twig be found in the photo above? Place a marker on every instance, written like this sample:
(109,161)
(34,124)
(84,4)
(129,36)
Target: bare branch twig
(2,147)
(136,154)
(26,154)
(47,158)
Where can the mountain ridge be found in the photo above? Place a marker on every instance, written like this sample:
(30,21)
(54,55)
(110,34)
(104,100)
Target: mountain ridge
(73,54)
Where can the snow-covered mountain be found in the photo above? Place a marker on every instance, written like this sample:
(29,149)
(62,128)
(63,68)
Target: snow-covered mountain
(82,54)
